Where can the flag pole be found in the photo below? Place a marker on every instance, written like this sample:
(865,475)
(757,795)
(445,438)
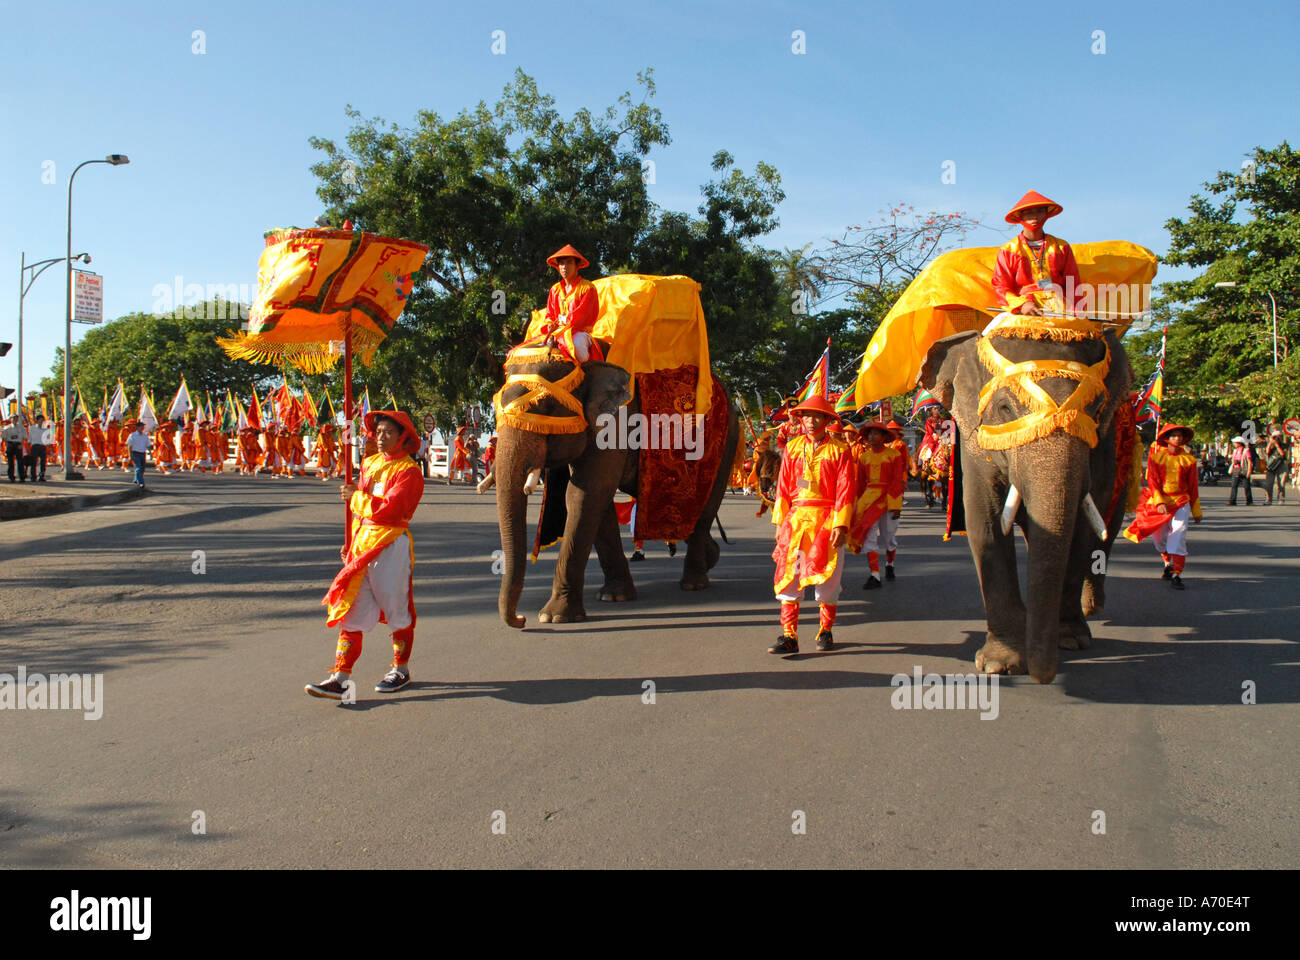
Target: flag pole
(351,440)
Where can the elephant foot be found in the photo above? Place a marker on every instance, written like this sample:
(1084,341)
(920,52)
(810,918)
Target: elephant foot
(693,580)
(616,591)
(1074,635)
(999,656)
(562,611)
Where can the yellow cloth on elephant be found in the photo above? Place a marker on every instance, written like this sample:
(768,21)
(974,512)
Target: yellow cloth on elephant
(954,293)
(652,324)
(310,282)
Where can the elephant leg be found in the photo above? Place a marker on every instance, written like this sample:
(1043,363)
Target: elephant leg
(590,497)
(702,550)
(1074,633)
(613,561)
(995,562)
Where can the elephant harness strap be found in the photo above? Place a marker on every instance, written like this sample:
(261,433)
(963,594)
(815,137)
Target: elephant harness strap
(515,413)
(1045,414)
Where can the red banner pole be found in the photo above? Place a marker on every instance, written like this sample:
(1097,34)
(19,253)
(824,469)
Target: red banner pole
(350,441)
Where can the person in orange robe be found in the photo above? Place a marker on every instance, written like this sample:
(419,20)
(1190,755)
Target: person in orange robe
(217,448)
(1035,273)
(326,455)
(297,454)
(251,448)
(1172,497)
(78,440)
(882,475)
(284,451)
(459,462)
(164,447)
(812,512)
(572,307)
(95,445)
(896,442)
(112,443)
(376,583)
(123,435)
(187,444)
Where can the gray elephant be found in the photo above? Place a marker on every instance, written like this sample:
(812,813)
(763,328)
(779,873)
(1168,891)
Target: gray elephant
(1035,453)
(588,473)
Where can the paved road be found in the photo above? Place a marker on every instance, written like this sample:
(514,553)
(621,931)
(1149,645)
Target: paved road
(203,708)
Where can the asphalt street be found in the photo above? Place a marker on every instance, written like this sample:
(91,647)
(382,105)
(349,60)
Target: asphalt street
(540,749)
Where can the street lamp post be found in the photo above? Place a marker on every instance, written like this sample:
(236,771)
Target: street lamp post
(115,159)
(24,285)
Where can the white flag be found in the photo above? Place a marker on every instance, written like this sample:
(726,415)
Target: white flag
(181,405)
(147,416)
(118,405)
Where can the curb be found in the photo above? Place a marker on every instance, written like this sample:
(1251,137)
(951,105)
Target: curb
(22,508)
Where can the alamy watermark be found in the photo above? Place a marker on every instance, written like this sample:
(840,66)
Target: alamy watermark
(949,691)
(658,431)
(196,301)
(58,691)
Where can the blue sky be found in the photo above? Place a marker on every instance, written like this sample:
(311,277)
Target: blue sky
(1011,93)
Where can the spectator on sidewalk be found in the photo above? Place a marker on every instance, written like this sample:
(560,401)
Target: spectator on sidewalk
(42,437)
(13,441)
(1277,461)
(138,445)
(1241,464)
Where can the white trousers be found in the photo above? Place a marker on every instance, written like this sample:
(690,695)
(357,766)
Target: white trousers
(886,528)
(1172,537)
(828,592)
(386,589)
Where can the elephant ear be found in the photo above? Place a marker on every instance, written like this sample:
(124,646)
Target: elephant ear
(604,390)
(939,369)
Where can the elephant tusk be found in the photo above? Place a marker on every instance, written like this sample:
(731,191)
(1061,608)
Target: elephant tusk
(534,476)
(1090,511)
(1011,509)
(486,483)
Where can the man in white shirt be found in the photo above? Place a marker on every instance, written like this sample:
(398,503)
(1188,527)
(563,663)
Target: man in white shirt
(14,435)
(138,445)
(38,437)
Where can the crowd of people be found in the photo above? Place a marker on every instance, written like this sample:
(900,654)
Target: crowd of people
(1271,462)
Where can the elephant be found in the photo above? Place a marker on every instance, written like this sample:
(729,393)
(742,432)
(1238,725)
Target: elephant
(1061,484)
(592,472)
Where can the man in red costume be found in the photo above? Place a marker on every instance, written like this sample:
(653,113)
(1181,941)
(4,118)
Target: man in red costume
(882,474)
(375,584)
(896,442)
(1035,273)
(459,462)
(572,308)
(326,456)
(813,510)
(1172,495)
(164,447)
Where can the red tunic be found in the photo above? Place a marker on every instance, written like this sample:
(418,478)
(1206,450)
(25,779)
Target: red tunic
(814,495)
(881,477)
(573,310)
(1171,482)
(1018,269)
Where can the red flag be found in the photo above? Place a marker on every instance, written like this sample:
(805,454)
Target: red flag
(255,412)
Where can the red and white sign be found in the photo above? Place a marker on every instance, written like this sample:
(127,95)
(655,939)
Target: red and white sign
(886,411)
(87,297)
(428,423)
(1293,427)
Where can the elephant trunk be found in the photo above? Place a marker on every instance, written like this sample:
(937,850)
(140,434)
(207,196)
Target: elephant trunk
(517,453)
(1052,502)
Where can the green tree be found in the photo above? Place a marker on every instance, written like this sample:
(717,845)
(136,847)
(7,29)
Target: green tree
(1219,353)
(141,348)
(493,192)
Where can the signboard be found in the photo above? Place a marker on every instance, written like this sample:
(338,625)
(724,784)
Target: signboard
(1293,427)
(886,411)
(428,423)
(87,297)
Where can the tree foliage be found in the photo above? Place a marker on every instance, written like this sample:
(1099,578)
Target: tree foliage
(142,348)
(1219,351)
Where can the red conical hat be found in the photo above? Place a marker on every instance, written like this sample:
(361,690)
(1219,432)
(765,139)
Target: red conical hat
(874,425)
(566,251)
(1033,199)
(893,425)
(816,405)
(410,438)
(1173,428)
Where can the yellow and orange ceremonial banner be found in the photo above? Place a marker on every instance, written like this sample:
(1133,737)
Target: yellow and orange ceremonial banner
(954,294)
(654,323)
(312,284)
